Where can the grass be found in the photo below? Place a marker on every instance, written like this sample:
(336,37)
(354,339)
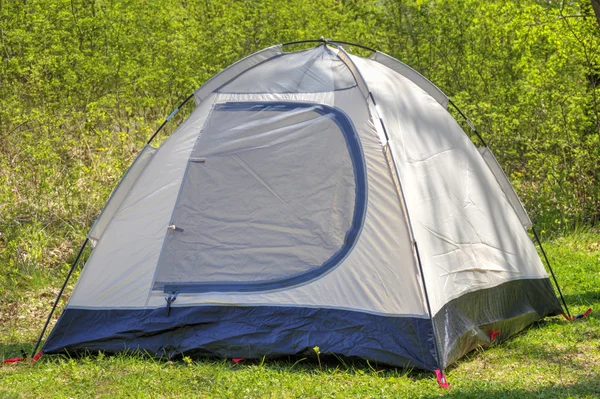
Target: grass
(551,359)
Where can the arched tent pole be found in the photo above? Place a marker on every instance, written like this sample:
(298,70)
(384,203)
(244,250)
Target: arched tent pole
(537,238)
(329,41)
(58,297)
(468,122)
(362,84)
(171,115)
(346,59)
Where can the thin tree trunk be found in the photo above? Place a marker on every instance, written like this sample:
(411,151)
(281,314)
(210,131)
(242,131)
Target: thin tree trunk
(596,7)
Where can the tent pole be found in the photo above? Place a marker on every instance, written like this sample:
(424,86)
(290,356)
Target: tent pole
(329,41)
(435,341)
(404,205)
(59,295)
(172,114)
(537,238)
(468,122)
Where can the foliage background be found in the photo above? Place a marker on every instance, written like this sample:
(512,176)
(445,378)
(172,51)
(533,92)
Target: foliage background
(84,82)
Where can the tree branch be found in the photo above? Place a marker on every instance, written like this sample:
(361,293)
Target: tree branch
(596,7)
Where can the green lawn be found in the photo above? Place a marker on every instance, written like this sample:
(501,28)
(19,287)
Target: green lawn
(553,358)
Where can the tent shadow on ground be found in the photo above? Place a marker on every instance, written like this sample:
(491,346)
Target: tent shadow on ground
(589,388)
(309,361)
(11,350)
(333,364)
(568,357)
(586,298)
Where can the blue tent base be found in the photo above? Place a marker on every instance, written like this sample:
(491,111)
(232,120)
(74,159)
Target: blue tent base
(254,332)
(247,332)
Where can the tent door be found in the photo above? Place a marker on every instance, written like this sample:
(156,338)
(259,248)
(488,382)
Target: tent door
(274,195)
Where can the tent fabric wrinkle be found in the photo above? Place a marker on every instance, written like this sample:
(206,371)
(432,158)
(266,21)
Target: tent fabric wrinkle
(444,171)
(284,213)
(345,57)
(310,71)
(507,189)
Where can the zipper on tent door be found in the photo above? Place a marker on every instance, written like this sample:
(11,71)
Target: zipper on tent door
(172,297)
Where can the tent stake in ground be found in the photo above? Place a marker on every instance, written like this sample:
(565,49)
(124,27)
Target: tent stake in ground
(284,214)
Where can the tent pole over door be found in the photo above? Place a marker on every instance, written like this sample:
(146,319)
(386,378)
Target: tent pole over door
(172,114)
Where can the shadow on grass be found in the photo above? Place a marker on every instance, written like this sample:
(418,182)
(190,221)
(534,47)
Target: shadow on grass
(588,298)
(336,364)
(8,351)
(589,389)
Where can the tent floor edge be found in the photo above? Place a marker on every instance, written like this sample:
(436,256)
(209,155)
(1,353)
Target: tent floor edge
(249,332)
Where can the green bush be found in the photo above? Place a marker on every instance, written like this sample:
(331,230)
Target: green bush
(83,83)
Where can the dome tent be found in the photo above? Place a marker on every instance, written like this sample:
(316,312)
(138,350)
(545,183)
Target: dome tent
(312,198)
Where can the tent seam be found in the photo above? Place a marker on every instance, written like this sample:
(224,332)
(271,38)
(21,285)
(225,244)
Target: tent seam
(408,221)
